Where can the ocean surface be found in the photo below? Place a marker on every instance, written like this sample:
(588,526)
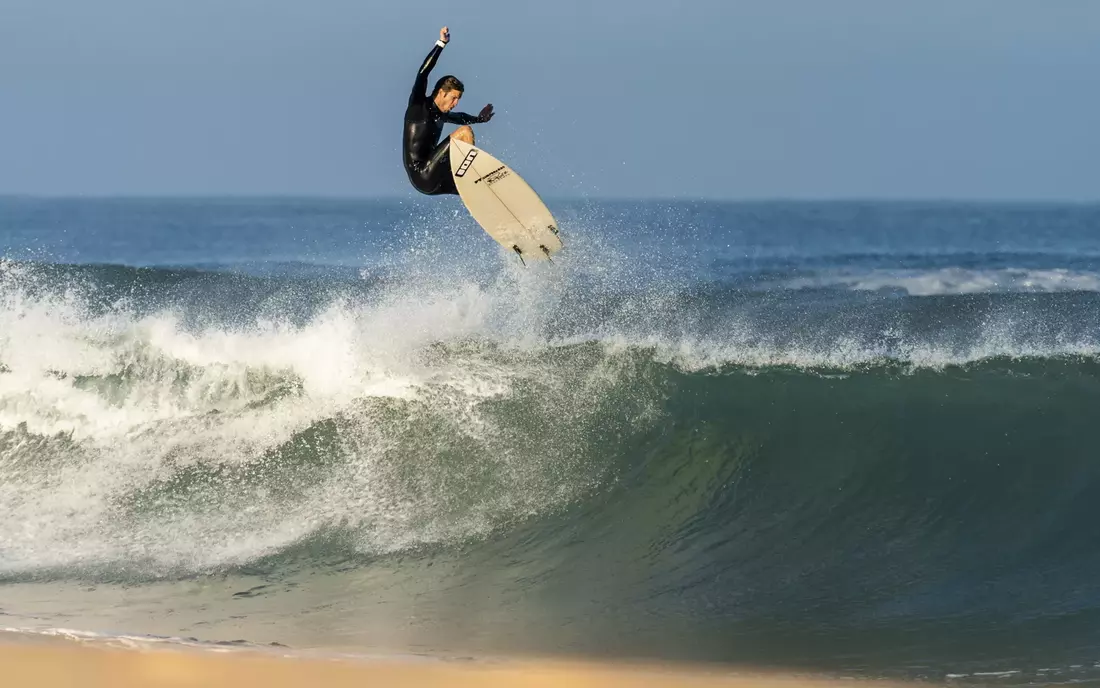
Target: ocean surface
(855,438)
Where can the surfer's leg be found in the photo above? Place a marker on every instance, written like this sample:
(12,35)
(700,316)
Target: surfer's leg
(435,177)
(447,186)
(464,133)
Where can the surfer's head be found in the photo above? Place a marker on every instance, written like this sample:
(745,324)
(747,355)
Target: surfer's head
(448,91)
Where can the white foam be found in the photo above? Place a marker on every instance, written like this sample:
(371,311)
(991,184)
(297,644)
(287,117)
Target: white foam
(742,344)
(954,280)
(139,398)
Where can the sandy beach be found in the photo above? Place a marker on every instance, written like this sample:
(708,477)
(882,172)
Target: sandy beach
(60,664)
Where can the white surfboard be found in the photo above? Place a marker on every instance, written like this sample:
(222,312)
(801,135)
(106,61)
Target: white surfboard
(503,204)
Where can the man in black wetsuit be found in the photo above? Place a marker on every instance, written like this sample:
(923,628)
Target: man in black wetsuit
(427,161)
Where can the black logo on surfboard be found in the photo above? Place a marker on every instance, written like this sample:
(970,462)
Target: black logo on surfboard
(469,160)
(494,176)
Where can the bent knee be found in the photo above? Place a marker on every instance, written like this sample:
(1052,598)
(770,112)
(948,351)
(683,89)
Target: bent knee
(464,133)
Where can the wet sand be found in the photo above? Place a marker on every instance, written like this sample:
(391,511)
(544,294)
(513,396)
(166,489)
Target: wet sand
(57,664)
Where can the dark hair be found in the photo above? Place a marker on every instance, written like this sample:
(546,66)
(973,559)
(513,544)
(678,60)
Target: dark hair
(449,83)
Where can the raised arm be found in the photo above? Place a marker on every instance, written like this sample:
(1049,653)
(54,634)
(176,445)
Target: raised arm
(420,86)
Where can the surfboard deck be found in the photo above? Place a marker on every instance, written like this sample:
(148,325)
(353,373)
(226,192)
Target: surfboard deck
(505,206)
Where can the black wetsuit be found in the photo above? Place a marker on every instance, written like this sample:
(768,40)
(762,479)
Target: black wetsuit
(426,159)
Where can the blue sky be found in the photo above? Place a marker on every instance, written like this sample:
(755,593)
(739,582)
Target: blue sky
(984,99)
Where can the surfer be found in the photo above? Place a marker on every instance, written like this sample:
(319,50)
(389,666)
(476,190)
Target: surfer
(427,161)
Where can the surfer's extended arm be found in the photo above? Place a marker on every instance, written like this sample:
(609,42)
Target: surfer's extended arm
(462,118)
(420,86)
(485,115)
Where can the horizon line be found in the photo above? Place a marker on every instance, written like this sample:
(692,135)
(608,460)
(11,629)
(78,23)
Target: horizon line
(747,200)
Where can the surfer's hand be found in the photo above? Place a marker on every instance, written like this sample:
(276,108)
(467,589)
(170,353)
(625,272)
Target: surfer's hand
(486,113)
(445,35)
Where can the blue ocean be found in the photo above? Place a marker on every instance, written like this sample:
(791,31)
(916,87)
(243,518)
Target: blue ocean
(854,438)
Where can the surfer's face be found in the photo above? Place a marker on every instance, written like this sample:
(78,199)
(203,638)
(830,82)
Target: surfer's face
(447,100)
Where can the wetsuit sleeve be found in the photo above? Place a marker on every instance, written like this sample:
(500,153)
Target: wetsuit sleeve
(420,86)
(461,118)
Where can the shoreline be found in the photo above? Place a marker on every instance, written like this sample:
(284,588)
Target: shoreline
(57,661)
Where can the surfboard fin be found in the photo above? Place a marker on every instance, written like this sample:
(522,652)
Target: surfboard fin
(546,251)
(520,254)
